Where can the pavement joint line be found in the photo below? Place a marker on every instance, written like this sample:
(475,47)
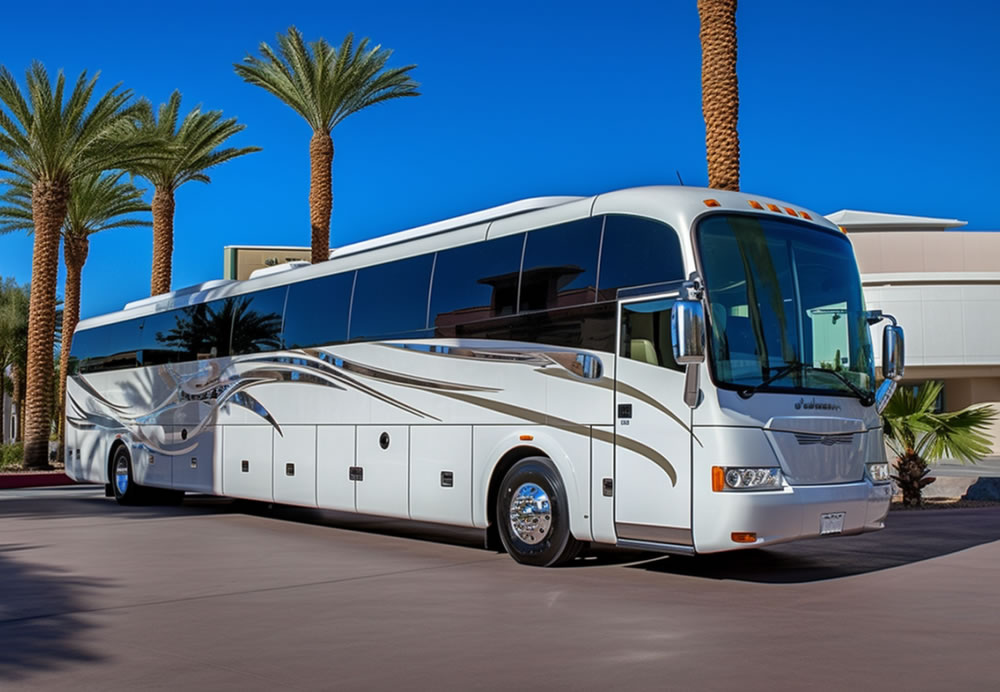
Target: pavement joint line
(266,589)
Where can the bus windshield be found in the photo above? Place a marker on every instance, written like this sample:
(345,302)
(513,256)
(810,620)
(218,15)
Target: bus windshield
(786,310)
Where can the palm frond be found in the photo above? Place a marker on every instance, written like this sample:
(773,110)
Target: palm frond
(910,423)
(324,84)
(53,132)
(98,202)
(189,145)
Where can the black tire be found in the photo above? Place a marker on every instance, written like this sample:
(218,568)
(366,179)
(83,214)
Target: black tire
(127,491)
(543,538)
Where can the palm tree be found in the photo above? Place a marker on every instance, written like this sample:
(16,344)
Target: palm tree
(917,435)
(324,85)
(190,148)
(720,93)
(98,202)
(50,141)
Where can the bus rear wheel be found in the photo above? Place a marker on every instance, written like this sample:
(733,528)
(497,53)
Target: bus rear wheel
(532,515)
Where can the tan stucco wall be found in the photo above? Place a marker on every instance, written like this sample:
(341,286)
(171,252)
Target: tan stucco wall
(249,260)
(882,252)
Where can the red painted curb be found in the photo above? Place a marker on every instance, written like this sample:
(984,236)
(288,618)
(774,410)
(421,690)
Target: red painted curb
(34,480)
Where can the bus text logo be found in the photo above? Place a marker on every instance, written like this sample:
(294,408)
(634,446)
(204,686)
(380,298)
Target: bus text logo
(814,405)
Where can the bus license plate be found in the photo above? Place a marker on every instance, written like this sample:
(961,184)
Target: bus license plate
(831,523)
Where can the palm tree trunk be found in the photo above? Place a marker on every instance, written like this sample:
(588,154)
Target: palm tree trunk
(320,194)
(48,204)
(75,251)
(163,240)
(720,94)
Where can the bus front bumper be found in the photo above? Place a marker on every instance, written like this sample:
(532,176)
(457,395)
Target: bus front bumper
(789,514)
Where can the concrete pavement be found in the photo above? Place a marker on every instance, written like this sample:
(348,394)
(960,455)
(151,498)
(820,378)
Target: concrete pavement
(220,595)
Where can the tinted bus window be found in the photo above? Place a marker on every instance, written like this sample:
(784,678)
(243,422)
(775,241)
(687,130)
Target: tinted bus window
(476,282)
(111,347)
(191,333)
(257,321)
(154,338)
(560,265)
(391,298)
(636,252)
(316,311)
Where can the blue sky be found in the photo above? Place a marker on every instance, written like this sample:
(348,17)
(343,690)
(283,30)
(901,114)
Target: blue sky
(883,106)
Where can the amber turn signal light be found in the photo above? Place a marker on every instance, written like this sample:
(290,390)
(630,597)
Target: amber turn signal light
(744,537)
(718,479)
(527,437)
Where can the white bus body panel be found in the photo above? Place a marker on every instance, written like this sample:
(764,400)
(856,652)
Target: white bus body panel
(384,490)
(247,462)
(434,450)
(295,465)
(335,455)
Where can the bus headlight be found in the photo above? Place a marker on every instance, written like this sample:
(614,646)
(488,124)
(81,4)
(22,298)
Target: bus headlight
(879,472)
(745,478)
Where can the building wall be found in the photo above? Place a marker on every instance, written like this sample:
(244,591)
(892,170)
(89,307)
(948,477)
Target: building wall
(944,288)
(926,251)
(240,262)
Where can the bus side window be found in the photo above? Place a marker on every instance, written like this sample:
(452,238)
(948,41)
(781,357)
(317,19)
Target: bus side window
(257,321)
(560,265)
(646,333)
(391,299)
(316,311)
(637,252)
(476,282)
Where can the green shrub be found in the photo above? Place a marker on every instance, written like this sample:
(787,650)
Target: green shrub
(11,456)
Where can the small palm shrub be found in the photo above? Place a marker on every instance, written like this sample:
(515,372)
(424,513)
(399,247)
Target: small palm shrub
(917,435)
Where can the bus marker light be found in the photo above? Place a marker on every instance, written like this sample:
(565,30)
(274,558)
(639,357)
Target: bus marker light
(805,216)
(755,204)
(527,437)
(791,212)
(744,537)
(712,203)
(718,479)
(774,207)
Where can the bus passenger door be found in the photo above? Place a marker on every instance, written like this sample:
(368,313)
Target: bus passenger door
(652,488)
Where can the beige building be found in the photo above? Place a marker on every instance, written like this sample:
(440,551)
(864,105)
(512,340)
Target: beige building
(239,261)
(944,287)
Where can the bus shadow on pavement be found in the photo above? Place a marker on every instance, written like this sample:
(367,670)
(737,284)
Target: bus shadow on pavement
(909,537)
(42,627)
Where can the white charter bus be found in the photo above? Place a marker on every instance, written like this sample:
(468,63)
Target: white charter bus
(666,368)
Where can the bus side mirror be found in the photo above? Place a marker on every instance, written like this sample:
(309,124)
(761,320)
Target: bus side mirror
(892,353)
(687,331)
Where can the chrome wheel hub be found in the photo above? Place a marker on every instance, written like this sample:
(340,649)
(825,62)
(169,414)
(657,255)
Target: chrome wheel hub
(121,476)
(530,514)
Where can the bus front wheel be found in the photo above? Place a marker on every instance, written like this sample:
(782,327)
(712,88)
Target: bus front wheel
(532,515)
(127,491)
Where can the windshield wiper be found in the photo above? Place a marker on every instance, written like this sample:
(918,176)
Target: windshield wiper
(748,392)
(866,397)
